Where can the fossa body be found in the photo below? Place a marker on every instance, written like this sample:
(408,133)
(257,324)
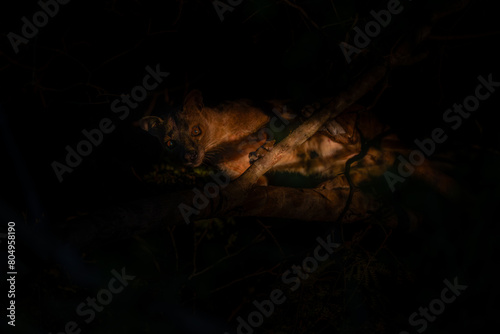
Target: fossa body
(229,135)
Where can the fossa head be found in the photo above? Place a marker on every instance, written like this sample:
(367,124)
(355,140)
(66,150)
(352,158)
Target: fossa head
(186,132)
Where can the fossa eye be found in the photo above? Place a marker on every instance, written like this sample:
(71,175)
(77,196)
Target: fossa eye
(196,131)
(170,144)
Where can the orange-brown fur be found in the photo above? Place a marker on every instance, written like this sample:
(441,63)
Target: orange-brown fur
(232,131)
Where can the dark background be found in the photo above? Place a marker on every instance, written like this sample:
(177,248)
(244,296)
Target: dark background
(65,78)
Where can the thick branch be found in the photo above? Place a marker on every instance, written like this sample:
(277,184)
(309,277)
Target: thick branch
(325,203)
(304,132)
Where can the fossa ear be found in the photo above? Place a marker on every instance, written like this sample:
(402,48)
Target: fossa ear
(193,101)
(149,123)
